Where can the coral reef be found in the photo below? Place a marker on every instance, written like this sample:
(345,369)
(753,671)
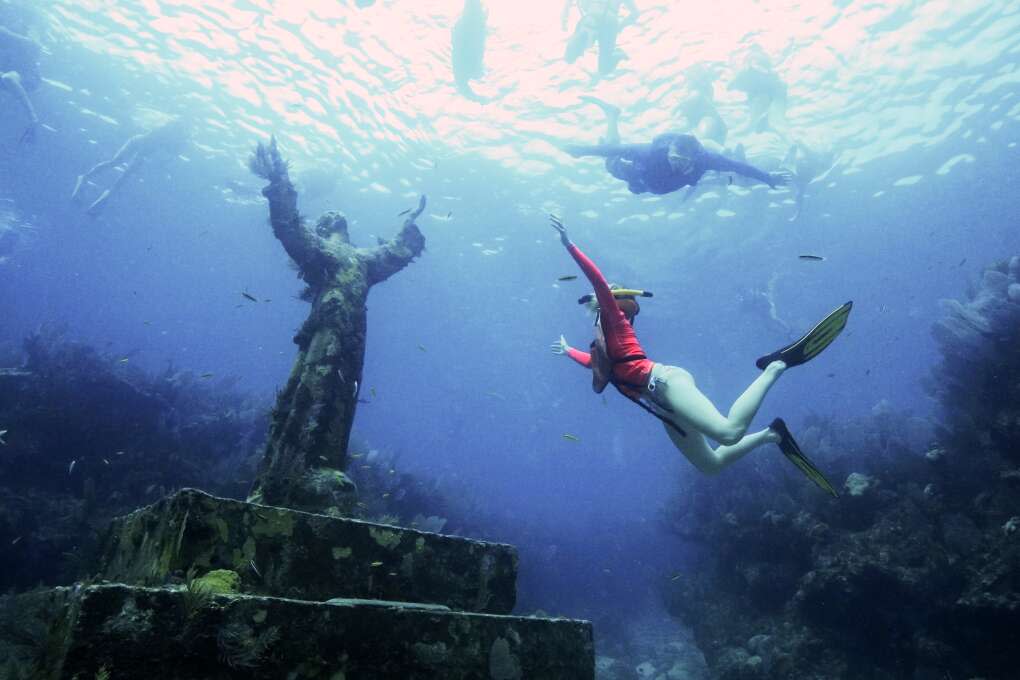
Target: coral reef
(88,436)
(915,571)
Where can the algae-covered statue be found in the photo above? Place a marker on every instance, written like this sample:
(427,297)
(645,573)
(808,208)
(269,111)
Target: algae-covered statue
(306,451)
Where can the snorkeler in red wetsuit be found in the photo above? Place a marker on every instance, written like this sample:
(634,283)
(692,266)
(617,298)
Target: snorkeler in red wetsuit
(671,394)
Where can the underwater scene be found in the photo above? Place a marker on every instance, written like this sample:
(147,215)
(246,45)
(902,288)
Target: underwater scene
(616,339)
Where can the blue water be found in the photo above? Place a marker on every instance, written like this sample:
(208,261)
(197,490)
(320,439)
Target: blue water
(465,390)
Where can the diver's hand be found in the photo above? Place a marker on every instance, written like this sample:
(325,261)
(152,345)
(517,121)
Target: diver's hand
(557,224)
(780,178)
(560,346)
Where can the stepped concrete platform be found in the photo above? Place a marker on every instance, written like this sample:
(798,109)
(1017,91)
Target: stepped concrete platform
(125,632)
(293,554)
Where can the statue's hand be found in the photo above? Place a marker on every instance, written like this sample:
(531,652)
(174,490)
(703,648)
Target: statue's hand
(418,211)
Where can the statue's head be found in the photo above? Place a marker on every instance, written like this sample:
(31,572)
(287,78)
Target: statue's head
(332,224)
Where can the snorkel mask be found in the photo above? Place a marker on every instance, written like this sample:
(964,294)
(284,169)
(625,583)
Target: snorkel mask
(678,160)
(626,299)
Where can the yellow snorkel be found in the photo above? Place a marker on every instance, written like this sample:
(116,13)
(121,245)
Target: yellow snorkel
(617,293)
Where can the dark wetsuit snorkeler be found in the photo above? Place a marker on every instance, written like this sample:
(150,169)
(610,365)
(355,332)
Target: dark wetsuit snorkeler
(670,162)
(670,393)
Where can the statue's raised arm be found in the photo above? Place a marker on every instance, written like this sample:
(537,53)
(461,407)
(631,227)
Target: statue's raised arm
(301,244)
(391,256)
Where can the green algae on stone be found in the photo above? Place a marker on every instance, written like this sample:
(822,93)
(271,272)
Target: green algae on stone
(220,581)
(384,537)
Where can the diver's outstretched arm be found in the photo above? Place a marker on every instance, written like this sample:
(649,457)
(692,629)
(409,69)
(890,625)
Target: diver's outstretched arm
(562,348)
(627,151)
(301,244)
(714,161)
(390,257)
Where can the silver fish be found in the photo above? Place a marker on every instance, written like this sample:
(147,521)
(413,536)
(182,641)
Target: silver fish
(3,442)
(70,468)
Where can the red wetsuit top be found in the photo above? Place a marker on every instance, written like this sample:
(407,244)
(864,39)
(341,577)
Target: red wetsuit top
(629,375)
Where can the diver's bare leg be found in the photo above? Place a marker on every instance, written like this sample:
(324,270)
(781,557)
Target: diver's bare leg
(99,203)
(693,407)
(711,461)
(125,151)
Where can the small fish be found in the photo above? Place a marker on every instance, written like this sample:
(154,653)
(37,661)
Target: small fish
(248,296)
(495,395)
(355,387)
(16,540)
(106,461)
(70,468)
(449,214)
(268,300)
(962,262)
(323,458)
(568,277)
(357,455)
(118,453)
(376,564)
(364,401)
(403,212)
(422,348)
(392,471)
(206,376)
(3,433)
(386,495)
(147,323)
(340,374)
(361,505)
(371,391)
(123,360)
(571,437)
(813,258)
(366,467)
(251,563)
(675,576)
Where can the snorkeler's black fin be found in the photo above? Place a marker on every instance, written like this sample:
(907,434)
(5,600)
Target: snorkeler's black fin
(813,342)
(790,449)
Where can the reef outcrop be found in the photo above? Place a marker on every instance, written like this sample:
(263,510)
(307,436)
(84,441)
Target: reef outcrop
(914,572)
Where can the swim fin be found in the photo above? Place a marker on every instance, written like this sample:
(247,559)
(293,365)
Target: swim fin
(790,449)
(813,342)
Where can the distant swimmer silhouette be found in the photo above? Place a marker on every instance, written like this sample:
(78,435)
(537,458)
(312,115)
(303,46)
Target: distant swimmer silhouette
(670,393)
(19,74)
(600,24)
(765,91)
(167,138)
(670,162)
(696,111)
(468,51)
